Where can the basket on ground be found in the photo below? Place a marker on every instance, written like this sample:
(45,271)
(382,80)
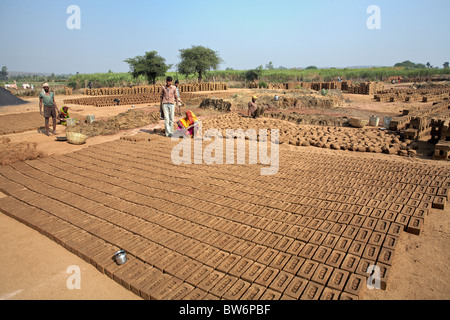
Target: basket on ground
(76,138)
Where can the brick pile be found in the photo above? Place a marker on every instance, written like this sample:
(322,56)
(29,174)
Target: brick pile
(440,132)
(422,123)
(125,99)
(153,89)
(68,91)
(317,86)
(366,88)
(409,95)
(105,97)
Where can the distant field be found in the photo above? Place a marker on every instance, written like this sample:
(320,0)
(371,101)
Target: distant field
(273,76)
(269,76)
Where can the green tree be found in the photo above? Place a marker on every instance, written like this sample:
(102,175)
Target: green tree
(420,66)
(251,75)
(406,64)
(151,65)
(311,68)
(411,65)
(446,65)
(270,66)
(198,60)
(4,73)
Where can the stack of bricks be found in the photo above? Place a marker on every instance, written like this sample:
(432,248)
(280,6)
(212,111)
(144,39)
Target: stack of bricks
(440,129)
(68,91)
(409,95)
(104,97)
(316,85)
(440,132)
(428,79)
(424,123)
(128,99)
(366,88)
(154,89)
(276,86)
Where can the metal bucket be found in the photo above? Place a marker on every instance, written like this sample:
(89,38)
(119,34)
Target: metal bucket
(121,257)
(90,118)
(387,122)
(71,122)
(374,121)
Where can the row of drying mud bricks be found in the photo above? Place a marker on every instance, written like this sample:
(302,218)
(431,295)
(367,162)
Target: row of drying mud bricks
(423,95)
(317,86)
(107,101)
(366,88)
(166,274)
(313,273)
(154,89)
(159,274)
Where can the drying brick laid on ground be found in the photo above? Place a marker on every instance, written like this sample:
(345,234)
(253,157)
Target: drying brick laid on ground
(300,234)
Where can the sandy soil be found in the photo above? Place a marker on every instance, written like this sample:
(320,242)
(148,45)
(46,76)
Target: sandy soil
(34,267)
(420,268)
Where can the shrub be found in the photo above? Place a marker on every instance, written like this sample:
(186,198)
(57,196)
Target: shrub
(262,84)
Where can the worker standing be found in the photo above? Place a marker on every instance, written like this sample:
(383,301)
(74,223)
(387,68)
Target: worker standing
(47,99)
(168,99)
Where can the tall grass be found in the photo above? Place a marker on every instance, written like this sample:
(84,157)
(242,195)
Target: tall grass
(269,76)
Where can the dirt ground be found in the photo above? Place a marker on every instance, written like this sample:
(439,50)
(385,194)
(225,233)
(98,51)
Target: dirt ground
(35,267)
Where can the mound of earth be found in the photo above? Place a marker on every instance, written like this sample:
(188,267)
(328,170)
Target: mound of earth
(124,121)
(14,152)
(8,99)
(295,99)
(216,104)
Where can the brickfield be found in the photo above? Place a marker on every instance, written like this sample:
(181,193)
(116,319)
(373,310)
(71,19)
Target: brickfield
(225,231)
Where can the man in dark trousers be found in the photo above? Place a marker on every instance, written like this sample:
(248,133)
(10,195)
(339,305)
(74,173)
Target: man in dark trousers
(47,99)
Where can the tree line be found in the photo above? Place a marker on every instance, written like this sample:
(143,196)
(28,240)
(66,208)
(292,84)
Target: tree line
(196,60)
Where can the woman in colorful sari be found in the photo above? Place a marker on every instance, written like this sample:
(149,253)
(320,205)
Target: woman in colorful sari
(63,115)
(188,125)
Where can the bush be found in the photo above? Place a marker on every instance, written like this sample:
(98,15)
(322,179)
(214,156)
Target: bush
(262,84)
(251,75)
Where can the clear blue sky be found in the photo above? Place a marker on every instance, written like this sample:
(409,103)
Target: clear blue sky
(246,33)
